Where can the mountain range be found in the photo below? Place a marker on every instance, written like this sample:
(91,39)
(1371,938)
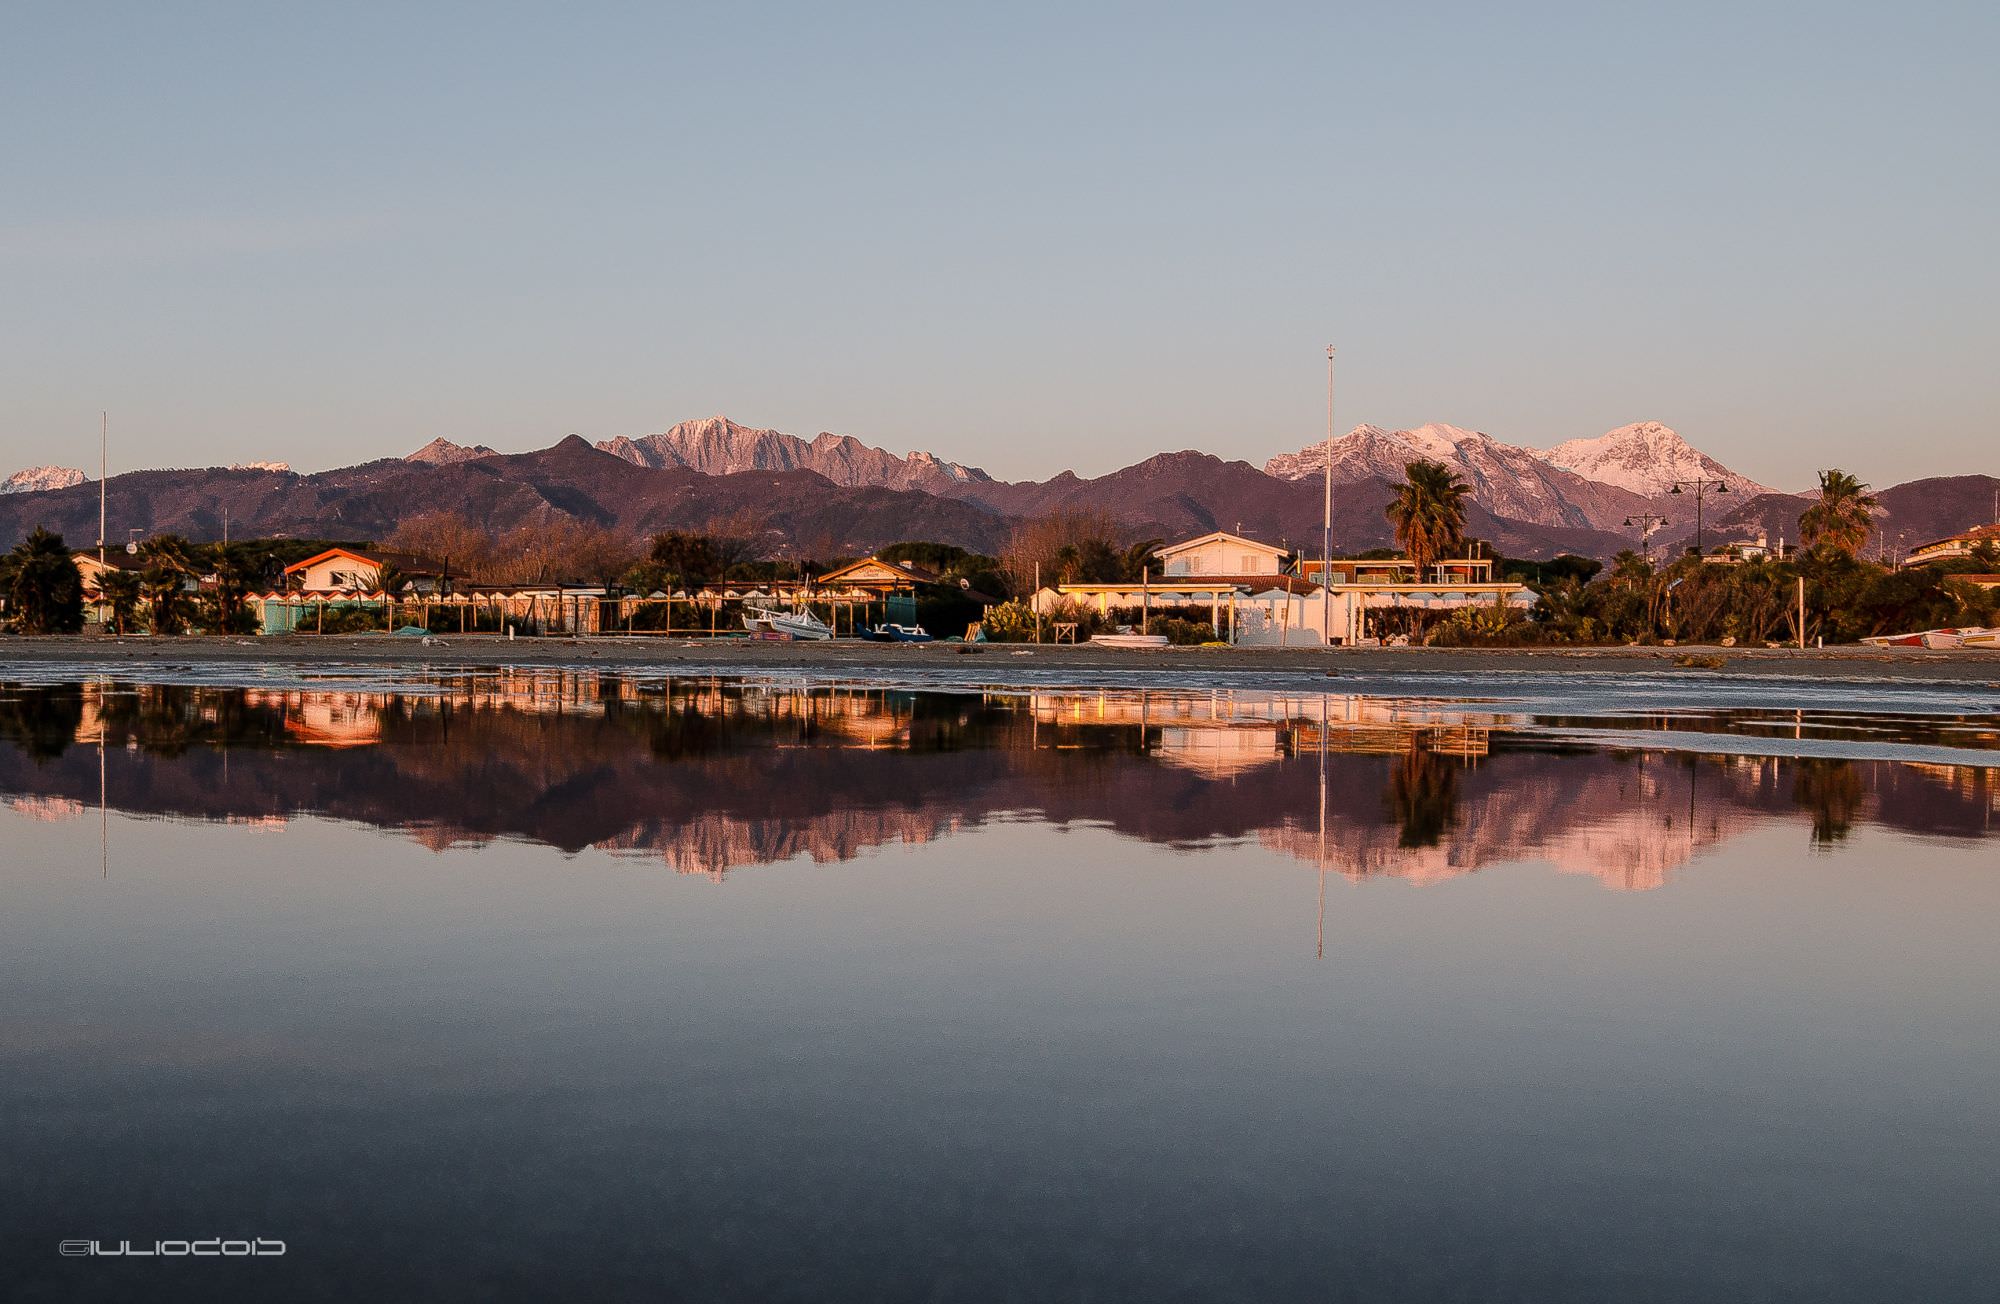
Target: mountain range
(835,495)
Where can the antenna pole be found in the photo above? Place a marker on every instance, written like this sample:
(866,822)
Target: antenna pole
(103,462)
(1326,527)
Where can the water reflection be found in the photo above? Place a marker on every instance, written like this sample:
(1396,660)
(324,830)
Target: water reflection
(707,775)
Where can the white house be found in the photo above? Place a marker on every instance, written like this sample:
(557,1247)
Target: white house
(1221,553)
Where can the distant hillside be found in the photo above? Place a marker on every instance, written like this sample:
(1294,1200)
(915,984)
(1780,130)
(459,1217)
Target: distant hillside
(794,509)
(824,497)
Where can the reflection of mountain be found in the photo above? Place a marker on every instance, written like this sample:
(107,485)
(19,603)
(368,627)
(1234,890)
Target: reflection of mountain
(708,775)
(1624,820)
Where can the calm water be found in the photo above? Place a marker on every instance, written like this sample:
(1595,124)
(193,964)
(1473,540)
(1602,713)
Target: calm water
(548,984)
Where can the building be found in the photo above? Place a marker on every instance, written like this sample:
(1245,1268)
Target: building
(343,570)
(1737,551)
(1252,600)
(1220,553)
(1956,547)
(1377,599)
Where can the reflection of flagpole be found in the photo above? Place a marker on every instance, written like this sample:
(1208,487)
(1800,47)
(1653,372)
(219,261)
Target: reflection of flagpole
(1320,950)
(103,817)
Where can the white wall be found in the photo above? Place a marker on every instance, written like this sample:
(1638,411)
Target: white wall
(1222,558)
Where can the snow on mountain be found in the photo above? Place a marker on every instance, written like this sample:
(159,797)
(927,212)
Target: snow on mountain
(1506,479)
(442,452)
(718,446)
(1645,458)
(37,478)
(1595,482)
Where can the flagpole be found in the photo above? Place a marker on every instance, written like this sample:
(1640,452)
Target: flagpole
(103,461)
(1326,532)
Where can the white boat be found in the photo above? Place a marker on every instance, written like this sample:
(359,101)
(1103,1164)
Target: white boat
(1980,638)
(798,623)
(1130,640)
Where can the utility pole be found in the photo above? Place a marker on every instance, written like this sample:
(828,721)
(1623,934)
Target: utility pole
(1326,532)
(1700,487)
(1646,522)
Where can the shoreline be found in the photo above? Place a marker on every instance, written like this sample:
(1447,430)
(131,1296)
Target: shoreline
(997,660)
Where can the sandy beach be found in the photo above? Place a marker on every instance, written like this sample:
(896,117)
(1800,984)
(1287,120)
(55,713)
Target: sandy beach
(996,661)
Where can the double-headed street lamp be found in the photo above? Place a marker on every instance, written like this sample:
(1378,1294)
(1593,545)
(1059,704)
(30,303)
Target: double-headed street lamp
(1646,522)
(1700,488)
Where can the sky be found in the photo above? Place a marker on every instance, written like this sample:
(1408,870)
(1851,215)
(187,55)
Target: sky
(1026,237)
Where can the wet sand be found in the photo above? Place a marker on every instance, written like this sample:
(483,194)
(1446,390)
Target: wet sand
(996,661)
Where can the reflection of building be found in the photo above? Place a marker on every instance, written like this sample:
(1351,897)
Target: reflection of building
(705,774)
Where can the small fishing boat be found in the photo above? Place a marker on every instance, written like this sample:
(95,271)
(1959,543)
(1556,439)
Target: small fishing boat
(797,623)
(900,634)
(1129,640)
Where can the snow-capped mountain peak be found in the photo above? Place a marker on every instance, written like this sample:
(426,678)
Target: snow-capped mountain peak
(1585,482)
(1645,458)
(718,446)
(37,478)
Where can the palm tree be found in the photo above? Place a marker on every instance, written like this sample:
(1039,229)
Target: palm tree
(1429,513)
(43,588)
(120,590)
(1841,519)
(168,564)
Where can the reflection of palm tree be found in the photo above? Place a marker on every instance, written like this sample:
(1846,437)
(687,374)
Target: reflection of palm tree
(1422,797)
(1831,790)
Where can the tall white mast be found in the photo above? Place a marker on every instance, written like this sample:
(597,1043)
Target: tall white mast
(1326,532)
(103,461)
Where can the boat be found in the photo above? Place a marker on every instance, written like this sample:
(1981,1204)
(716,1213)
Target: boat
(797,623)
(891,633)
(1130,640)
(1938,639)
(1930,638)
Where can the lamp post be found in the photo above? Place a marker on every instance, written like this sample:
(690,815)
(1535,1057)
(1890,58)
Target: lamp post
(1701,488)
(1646,522)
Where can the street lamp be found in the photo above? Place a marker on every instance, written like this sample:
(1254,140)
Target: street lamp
(1701,488)
(1647,522)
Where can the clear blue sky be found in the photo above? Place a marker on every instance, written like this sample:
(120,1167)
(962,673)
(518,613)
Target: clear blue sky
(1028,237)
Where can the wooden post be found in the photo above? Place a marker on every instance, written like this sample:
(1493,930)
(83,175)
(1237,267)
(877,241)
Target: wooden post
(1802,613)
(1035,601)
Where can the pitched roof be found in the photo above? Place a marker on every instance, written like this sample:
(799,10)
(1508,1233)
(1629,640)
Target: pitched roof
(903,569)
(1218,536)
(409,563)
